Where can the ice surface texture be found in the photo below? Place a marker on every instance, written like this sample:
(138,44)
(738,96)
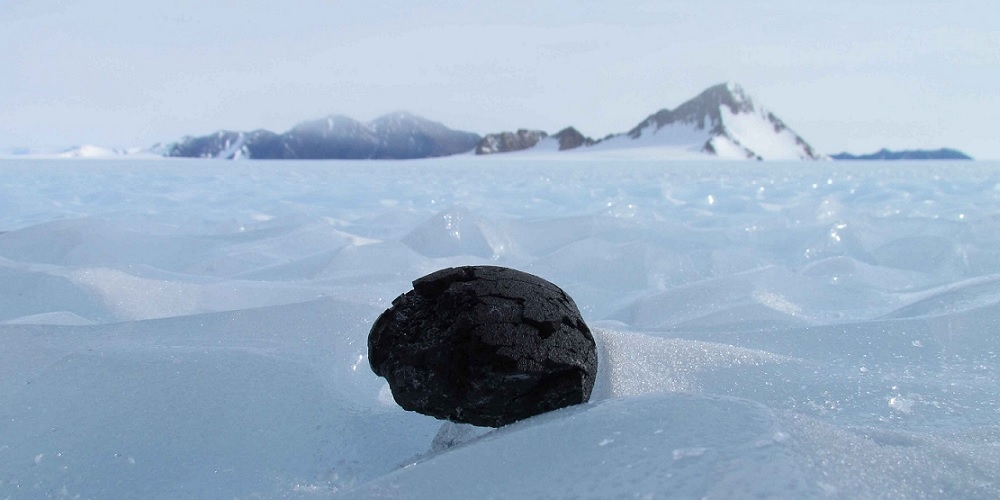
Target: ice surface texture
(484,345)
(194,329)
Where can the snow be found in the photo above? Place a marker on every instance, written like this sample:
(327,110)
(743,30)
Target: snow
(674,141)
(754,131)
(178,329)
(234,149)
(547,145)
(87,151)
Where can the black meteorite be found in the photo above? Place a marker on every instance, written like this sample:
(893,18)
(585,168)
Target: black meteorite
(484,345)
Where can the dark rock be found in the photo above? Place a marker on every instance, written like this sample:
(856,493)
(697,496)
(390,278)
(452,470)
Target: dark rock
(571,138)
(484,345)
(507,142)
(452,434)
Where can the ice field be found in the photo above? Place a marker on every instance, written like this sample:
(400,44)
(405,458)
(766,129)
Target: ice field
(197,329)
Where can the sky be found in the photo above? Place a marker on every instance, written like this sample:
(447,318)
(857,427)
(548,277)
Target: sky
(847,76)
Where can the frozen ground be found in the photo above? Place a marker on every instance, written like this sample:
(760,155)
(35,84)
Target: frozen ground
(175,329)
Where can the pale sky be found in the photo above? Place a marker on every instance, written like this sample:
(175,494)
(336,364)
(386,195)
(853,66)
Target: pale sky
(845,75)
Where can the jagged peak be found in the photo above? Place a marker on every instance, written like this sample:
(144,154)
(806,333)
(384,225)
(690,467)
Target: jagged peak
(727,94)
(734,89)
(731,88)
(703,111)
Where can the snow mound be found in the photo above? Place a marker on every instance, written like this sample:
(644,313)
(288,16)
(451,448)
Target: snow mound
(633,444)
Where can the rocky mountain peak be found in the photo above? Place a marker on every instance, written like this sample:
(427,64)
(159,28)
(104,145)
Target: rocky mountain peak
(703,111)
(729,94)
(723,120)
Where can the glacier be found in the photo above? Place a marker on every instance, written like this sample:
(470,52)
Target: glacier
(184,328)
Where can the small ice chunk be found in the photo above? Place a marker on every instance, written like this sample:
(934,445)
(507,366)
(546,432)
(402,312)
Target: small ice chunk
(682,453)
(901,404)
(452,434)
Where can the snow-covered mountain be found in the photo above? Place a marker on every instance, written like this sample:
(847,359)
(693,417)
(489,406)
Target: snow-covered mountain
(723,121)
(394,136)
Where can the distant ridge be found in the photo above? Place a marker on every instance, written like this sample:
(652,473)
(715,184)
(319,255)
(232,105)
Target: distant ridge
(396,136)
(910,154)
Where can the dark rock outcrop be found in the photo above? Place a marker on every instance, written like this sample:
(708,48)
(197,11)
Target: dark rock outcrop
(571,138)
(484,345)
(506,142)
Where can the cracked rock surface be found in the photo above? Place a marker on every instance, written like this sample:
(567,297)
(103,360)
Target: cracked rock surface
(484,345)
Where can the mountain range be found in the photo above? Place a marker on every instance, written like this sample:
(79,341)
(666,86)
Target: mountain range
(722,121)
